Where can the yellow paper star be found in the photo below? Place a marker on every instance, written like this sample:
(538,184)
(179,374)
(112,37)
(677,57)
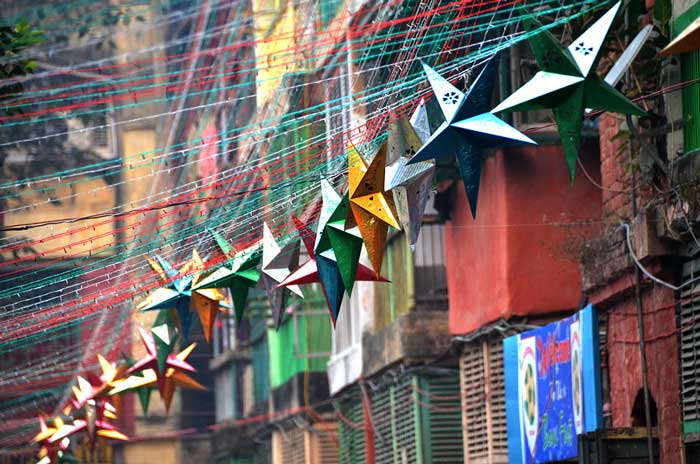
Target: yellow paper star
(372,208)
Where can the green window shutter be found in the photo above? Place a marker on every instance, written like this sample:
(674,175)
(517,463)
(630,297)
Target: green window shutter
(444,427)
(351,438)
(257,311)
(690,69)
(261,369)
(302,340)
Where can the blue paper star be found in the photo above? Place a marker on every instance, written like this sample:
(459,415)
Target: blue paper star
(469,128)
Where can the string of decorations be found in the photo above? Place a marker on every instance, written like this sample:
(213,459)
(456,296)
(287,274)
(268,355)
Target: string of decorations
(177,259)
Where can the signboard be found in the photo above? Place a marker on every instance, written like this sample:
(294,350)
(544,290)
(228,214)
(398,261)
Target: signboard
(552,377)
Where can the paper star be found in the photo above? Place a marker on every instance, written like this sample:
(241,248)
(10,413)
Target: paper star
(101,429)
(91,417)
(143,392)
(372,207)
(469,129)
(50,452)
(277,264)
(323,268)
(180,295)
(239,274)
(333,240)
(151,361)
(146,373)
(174,375)
(410,183)
(568,83)
(96,387)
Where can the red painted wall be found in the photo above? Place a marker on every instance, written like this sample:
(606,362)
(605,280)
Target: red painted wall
(517,257)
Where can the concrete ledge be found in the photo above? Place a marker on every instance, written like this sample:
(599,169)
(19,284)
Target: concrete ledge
(416,336)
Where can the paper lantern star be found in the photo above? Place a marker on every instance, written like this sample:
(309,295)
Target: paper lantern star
(333,240)
(91,418)
(148,378)
(277,264)
(323,268)
(180,296)
(469,129)
(144,392)
(685,42)
(372,207)
(410,183)
(50,452)
(94,387)
(239,274)
(568,84)
(174,374)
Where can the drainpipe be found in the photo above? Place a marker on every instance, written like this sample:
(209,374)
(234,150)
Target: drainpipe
(642,341)
(638,286)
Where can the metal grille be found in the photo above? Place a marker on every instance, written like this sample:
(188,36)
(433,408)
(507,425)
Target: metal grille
(484,409)
(416,420)
(288,447)
(323,449)
(497,404)
(445,419)
(404,422)
(393,413)
(350,434)
(690,344)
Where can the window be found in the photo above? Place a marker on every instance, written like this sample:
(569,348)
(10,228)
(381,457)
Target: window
(484,402)
(224,338)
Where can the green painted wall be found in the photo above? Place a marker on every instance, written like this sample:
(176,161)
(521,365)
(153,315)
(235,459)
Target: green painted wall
(313,334)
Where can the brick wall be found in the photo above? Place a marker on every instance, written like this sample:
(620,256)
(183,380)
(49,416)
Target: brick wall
(608,278)
(662,355)
(613,175)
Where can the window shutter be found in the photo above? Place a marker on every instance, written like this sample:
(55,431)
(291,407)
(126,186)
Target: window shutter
(351,438)
(288,447)
(443,428)
(322,448)
(690,349)
(484,408)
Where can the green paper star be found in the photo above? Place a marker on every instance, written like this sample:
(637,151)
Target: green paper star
(568,83)
(239,274)
(346,245)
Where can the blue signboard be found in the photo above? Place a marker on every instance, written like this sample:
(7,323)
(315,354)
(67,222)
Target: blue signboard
(553,394)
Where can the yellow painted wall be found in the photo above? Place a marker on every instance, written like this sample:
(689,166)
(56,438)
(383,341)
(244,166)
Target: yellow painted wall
(274,50)
(150,452)
(137,171)
(83,198)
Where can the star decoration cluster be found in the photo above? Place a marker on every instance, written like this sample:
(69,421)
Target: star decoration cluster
(352,226)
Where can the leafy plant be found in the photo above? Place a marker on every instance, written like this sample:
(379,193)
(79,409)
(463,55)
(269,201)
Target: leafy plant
(14,40)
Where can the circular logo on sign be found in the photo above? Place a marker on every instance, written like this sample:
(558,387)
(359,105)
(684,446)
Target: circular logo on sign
(530,405)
